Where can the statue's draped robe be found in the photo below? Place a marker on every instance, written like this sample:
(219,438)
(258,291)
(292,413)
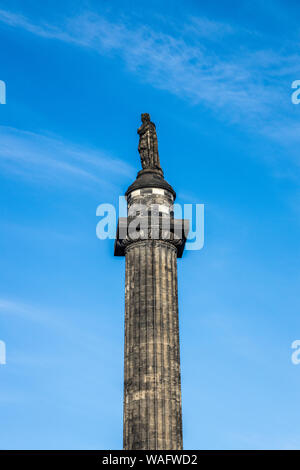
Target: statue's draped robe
(148,147)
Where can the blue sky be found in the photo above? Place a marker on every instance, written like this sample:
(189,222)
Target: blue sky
(216,78)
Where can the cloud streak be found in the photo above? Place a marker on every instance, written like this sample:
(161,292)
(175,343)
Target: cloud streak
(56,320)
(42,158)
(228,78)
(198,61)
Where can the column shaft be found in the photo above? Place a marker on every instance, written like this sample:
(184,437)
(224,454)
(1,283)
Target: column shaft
(152,390)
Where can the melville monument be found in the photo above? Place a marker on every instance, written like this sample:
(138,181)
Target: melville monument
(151,240)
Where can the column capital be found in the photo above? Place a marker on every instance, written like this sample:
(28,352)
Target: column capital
(135,229)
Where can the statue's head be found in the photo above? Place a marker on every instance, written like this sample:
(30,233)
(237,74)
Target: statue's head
(145,117)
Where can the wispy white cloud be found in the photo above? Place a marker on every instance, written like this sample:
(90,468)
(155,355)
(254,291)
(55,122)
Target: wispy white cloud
(205,28)
(11,307)
(248,84)
(185,65)
(83,346)
(38,233)
(45,30)
(238,80)
(39,157)
(55,319)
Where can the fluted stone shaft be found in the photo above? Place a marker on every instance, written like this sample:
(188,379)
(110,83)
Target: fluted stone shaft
(152,389)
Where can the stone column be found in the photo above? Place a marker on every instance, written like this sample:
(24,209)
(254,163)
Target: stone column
(152,390)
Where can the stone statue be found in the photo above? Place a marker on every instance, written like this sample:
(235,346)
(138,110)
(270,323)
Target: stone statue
(148,148)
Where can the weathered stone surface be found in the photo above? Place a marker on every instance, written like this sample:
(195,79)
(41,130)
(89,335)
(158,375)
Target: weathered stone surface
(148,147)
(152,391)
(150,179)
(152,388)
(168,229)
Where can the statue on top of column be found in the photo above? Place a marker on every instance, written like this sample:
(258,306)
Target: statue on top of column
(148,148)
